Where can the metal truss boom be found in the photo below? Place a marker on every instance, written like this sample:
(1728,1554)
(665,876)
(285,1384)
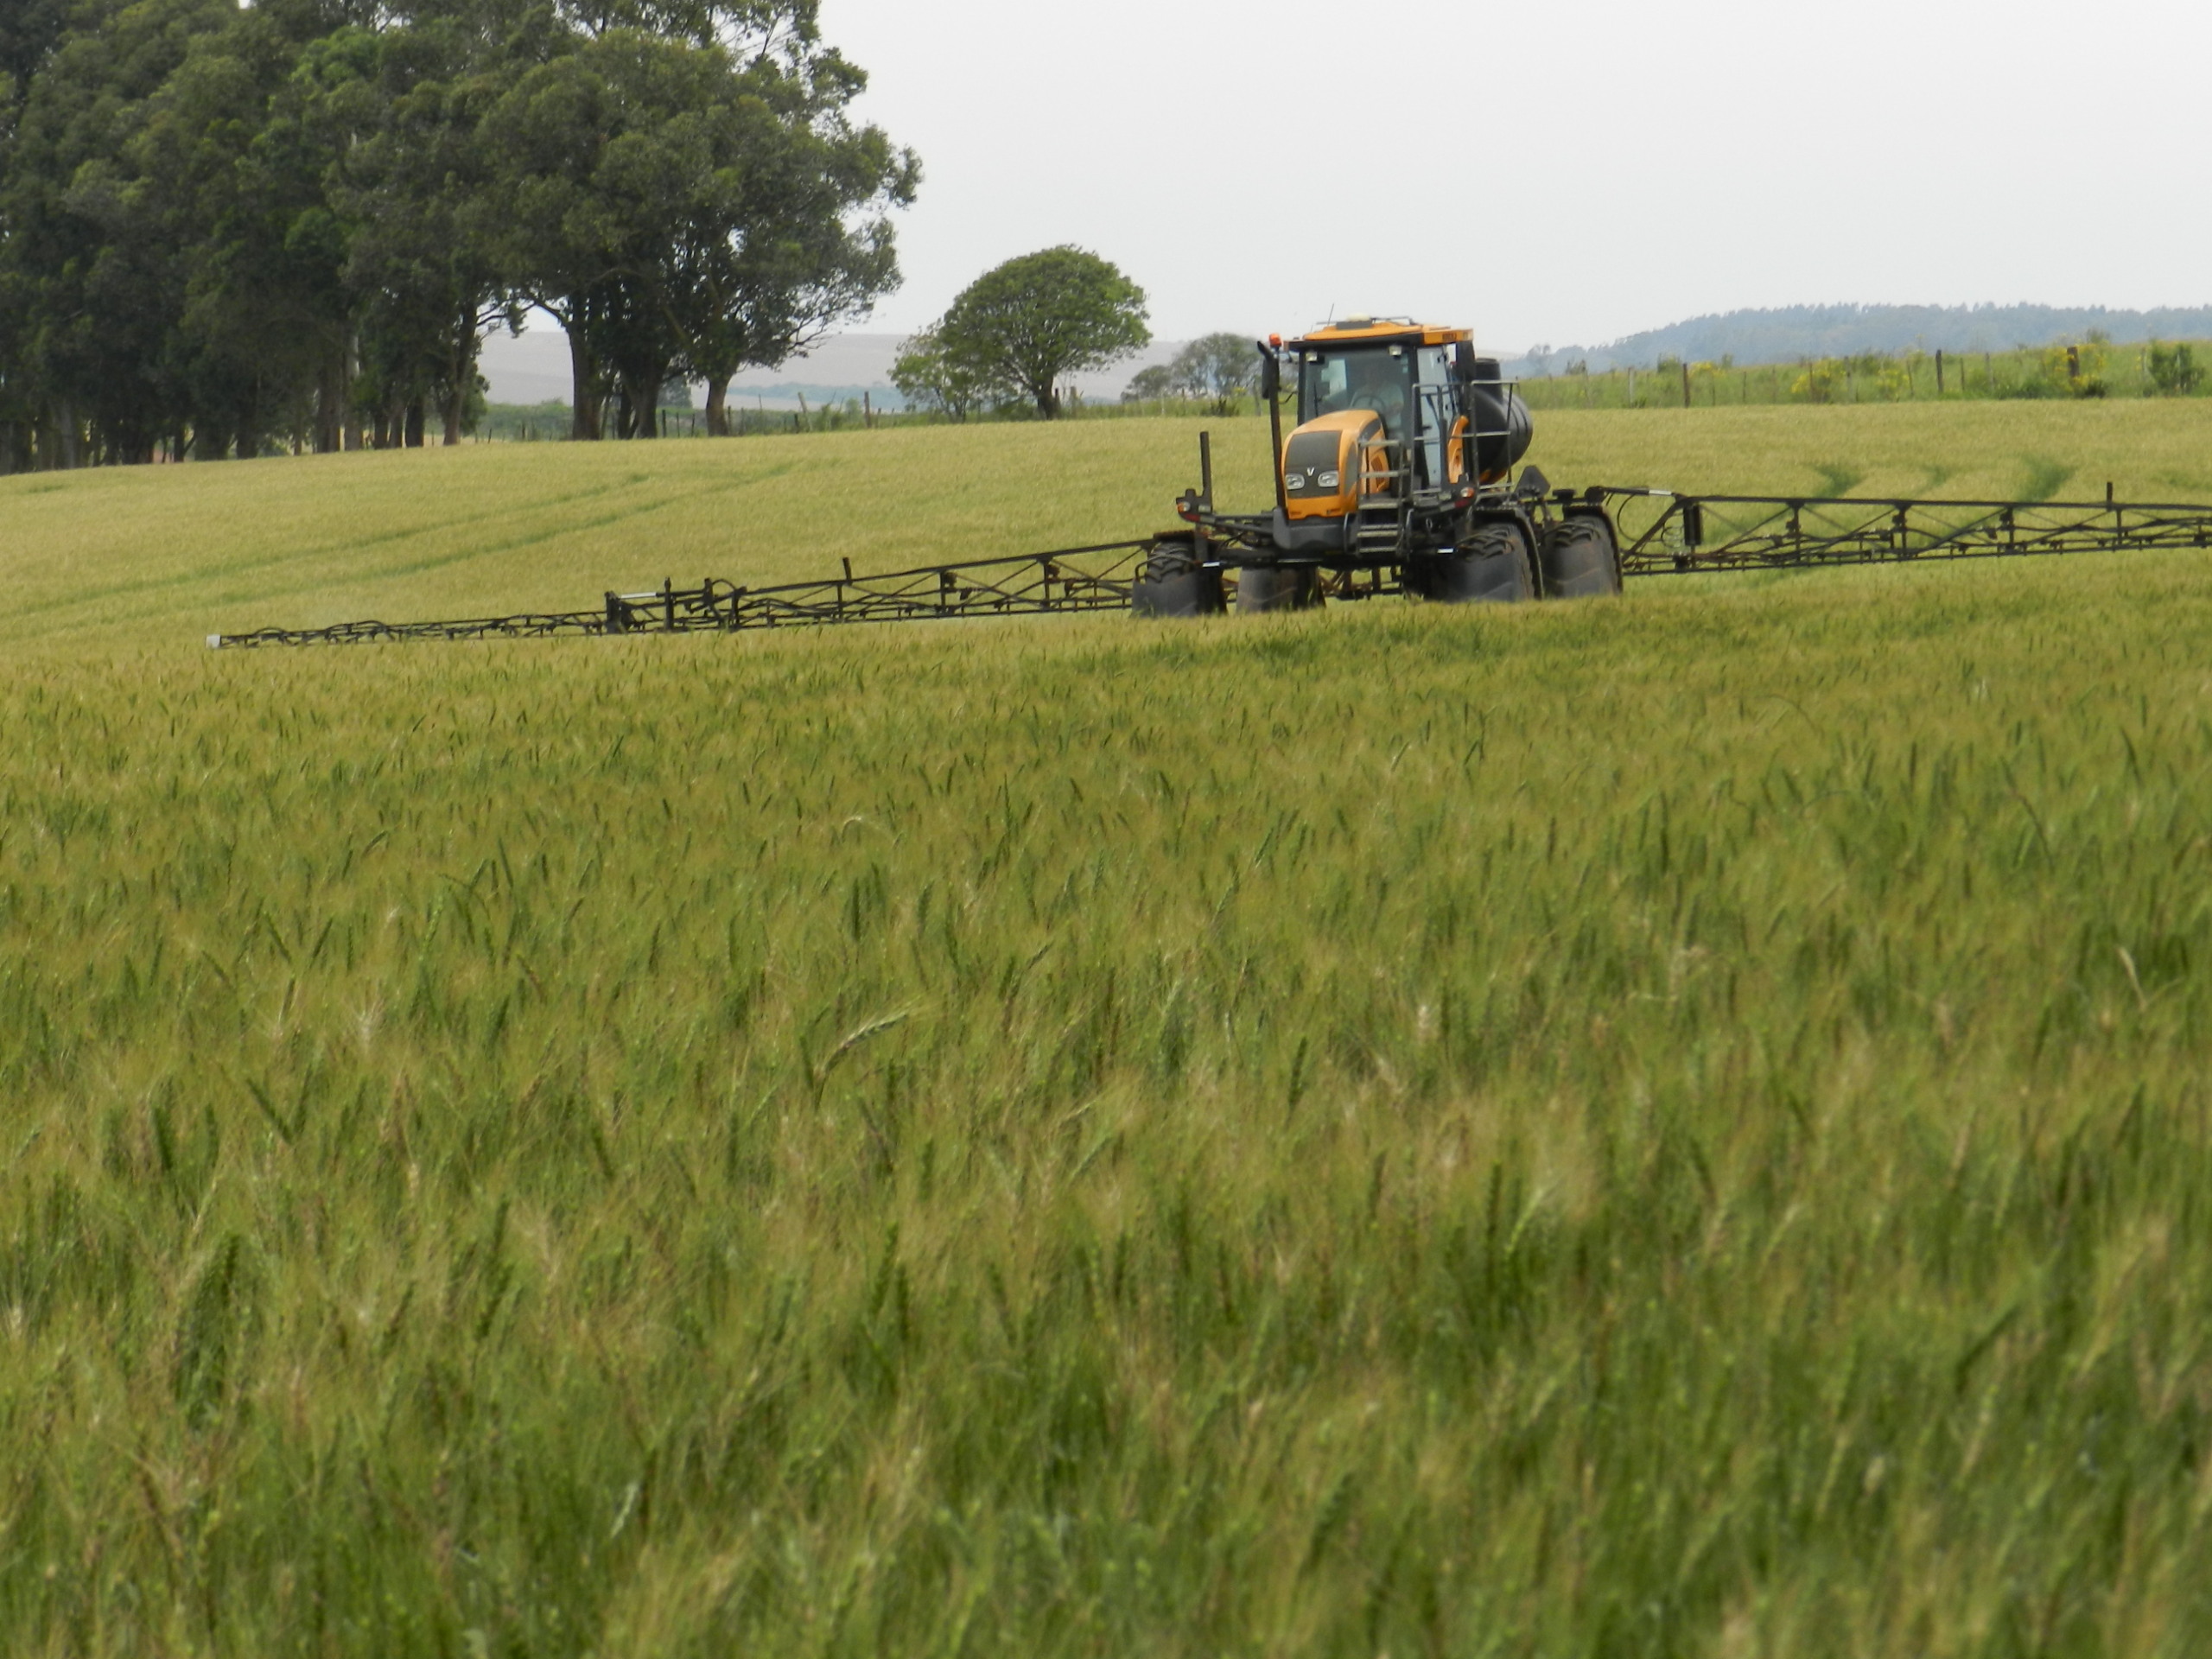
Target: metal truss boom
(1663,533)
(1659,532)
(1095,578)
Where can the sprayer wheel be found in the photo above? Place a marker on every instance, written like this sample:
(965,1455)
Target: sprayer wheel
(1493,565)
(1295,588)
(1581,559)
(1175,584)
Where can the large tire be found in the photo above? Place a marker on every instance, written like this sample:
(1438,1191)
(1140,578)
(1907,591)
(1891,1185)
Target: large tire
(1581,560)
(1494,565)
(1175,584)
(1290,587)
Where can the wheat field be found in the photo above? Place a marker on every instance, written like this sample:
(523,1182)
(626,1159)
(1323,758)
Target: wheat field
(1673,1126)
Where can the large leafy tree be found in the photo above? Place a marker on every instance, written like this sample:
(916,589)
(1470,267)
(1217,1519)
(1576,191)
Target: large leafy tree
(409,181)
(789,235)
(1034,320)
(599,151)
(694,204)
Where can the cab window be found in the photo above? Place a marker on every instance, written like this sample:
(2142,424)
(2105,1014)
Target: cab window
(1373,378)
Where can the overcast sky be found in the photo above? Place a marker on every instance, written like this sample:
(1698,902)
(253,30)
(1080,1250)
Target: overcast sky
(1562,171)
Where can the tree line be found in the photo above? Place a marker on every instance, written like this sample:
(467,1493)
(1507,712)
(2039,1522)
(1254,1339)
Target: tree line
(227,228)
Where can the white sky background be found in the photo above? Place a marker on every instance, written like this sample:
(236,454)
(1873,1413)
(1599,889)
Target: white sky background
(1563,171)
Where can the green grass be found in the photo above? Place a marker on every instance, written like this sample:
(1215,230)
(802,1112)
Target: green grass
(1674,1126)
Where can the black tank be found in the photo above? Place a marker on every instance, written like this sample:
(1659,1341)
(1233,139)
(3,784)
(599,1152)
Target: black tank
(1503,428)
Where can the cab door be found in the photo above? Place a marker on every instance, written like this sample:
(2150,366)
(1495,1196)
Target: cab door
(1436,410)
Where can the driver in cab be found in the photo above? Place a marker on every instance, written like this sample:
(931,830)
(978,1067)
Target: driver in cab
(1377,382)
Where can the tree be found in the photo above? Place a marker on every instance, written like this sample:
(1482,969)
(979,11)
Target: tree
(2174,370)
(1149,385)
(931,376)
(592,165)
(408,179)
(1221,368)
(1035,320)
(790,235)
(678,210)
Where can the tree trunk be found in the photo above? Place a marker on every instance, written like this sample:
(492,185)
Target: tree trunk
(66,436)
(718,406)
(584,389)
(415,423)
(349,364)
(330,401)
(1048,402)
(640,385)
(461,373)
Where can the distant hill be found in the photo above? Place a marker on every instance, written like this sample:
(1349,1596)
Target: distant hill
(1787,333)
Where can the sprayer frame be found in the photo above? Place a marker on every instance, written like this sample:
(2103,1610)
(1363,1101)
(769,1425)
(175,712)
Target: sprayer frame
(1385,527)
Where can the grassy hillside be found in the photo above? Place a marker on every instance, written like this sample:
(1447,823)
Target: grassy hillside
(1666,1126)
(168,556)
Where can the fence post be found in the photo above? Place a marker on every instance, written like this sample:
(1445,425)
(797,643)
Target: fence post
(1939,372)
(1685,383)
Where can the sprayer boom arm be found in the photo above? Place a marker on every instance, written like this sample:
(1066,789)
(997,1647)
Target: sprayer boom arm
(1661,532)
